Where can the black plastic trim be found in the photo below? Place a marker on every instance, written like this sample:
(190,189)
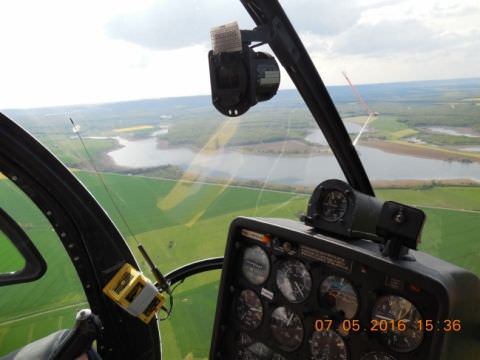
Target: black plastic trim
(91,240)
(194,268)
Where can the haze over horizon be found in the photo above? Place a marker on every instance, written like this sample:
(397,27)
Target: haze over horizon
(63,53)
(329,87)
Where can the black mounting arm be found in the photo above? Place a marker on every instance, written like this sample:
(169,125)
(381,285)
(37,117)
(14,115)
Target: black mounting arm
(400,226)
(261,34)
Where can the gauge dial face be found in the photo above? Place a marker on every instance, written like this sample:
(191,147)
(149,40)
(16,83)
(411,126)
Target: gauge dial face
(249,309)
(328,345)
(255,265)
(377,355)
(245,354)
(392,309)
(294,281)
(287,328)
(244,339)
(333,205)
(261,351)
(339,295)
(256,351)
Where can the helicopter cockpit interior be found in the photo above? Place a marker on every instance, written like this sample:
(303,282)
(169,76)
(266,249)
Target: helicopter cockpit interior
(240,225)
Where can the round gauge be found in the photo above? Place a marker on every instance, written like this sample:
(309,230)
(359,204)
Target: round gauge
(287,328)
(256,351)
(390,309)
(245,354)
(328,345)
(377,355)
(259,351)
(333,205)
(255,265)
(294,280)
(243,339)
(339,295)
(249,309)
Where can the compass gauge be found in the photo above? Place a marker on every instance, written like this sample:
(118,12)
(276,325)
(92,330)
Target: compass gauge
(333,205)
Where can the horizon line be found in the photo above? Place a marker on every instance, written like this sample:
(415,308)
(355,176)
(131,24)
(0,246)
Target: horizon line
(208,94)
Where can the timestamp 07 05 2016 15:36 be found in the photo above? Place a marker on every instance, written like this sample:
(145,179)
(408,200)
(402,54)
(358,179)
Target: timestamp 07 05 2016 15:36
(383,325)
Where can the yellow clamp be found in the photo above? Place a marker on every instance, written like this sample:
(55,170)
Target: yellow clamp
(135,293)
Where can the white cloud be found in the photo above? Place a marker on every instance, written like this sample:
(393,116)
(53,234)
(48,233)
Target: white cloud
(174,24)
(402,41)
(389,38)
(59,52)
(169,25)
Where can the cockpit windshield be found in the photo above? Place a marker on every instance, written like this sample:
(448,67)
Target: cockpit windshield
(120,93)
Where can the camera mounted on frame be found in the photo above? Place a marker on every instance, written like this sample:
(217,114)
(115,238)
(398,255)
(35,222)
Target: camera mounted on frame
(239,76)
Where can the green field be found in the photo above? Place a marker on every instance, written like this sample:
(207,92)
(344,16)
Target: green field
(70,150)
(192,225)
(179,222)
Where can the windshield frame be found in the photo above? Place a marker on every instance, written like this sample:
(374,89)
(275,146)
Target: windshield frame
(290,51)
(84,229)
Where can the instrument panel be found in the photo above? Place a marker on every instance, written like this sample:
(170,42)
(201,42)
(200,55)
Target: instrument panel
(290,293)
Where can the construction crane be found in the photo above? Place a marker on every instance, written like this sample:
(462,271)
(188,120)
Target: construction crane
(367,108)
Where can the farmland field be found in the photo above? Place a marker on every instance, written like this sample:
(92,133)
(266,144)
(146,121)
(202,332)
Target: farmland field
(179,222)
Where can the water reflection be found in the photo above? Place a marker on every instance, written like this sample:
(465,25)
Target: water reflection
(452,131)
(287,169)
(316,137)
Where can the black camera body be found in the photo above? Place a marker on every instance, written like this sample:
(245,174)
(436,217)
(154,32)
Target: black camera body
(240,79)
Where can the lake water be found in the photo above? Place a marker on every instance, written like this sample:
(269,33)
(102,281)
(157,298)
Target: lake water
(305,169)
(317,137)
(471,148)
(452,131)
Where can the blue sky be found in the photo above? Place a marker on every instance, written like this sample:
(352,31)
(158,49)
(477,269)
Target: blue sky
(57,52)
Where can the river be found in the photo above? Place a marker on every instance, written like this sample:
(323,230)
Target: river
(287,169)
